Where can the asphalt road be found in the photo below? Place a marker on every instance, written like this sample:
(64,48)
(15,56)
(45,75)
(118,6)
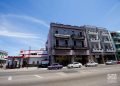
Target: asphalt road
(95,76)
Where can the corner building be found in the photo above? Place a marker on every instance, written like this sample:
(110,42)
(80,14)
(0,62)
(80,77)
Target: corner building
(66,44)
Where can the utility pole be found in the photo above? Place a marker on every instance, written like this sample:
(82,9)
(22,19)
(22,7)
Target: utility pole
(28,56)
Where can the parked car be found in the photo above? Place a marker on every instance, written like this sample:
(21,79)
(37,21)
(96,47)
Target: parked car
(74,65)
(55,66)
(43,64)
(91,64)
(118,62)
(111,62)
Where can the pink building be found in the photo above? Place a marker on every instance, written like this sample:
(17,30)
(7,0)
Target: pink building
(34,57)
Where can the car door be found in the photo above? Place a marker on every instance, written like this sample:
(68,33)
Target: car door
(76,64)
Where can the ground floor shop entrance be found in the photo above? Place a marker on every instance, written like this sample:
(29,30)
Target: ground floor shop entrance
(65,60)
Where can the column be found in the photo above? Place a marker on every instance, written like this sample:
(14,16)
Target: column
(72,59)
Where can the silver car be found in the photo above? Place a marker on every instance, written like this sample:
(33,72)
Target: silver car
(111,62)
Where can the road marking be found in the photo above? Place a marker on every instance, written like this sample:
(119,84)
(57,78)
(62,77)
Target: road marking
(10,78)
(38,76)
(61,73)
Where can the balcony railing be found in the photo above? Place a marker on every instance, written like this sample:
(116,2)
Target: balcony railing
(62,47)
(95,40)
(78,37)
(107,41)
(110,50)
(92,32)
(118,49)
(62,36)
(79,48)
(97,50)
(105,34)
(117,42)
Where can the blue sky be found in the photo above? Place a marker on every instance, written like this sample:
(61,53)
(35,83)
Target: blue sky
(25,23)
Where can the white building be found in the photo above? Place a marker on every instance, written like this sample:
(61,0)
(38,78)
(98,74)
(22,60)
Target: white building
(3,57)
(34,57)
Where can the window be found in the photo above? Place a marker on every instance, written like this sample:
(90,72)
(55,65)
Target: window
(33,62)
(57,42)
(74,43)
(82,44)
(73,32)
(33,53)
(80,33)
(66,42)
(56,32)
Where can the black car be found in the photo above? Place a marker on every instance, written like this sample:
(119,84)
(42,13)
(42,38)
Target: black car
(55,66)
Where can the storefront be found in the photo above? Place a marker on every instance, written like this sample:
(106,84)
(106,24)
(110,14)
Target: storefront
(14,61)
(67,59)
(3,58)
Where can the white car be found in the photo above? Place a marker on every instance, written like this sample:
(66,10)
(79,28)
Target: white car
(91,64)
(111,62)
(74,65)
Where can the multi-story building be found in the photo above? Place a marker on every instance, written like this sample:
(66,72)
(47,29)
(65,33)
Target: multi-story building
(67,43)
(101,45)
(116,39)
(33,57)
(3,56)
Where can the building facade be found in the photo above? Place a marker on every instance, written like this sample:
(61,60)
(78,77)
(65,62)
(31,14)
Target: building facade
(68,43)
(3,57)
(101,46)
(33,57)
(116,39)
(14,62)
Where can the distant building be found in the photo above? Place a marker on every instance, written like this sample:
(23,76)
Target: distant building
(14,61)
(33,57)
(116,39)
(3,57)
(67,43)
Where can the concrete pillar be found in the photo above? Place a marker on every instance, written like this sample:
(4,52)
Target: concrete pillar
(103,60)
(21,62)
(52,59)
(72,59)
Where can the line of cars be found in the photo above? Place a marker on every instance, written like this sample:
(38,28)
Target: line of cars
(79,65)
(72,65)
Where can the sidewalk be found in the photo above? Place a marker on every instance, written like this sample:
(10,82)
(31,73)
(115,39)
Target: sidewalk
(22,69)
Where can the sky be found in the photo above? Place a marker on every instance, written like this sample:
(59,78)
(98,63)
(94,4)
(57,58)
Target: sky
(25,23)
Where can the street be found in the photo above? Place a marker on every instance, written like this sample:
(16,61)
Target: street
(108,75)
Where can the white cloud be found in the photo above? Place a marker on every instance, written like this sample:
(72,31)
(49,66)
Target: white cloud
(17,34)
(30,18)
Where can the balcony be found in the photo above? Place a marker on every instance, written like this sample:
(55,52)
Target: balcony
(92,32)
(97,50)
(62,47)
(95,40)
(105,34)
(79,48)
(78,37)
(110,50)
(107,41)
(62,36)
(118,49)
(117,42)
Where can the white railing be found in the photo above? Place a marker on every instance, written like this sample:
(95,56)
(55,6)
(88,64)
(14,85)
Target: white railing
(95,40)
(97,50)
(107,41)
(62,35)
(110,50)
(92,32)
(105,34)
